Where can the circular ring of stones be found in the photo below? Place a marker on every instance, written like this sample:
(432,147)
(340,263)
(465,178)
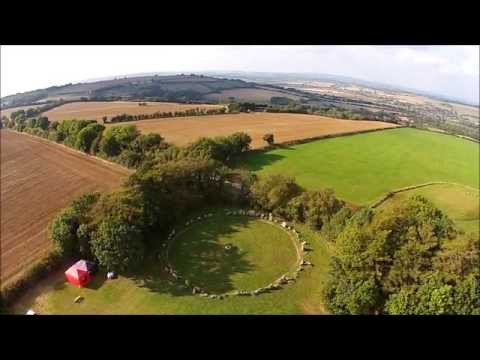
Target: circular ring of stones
(302,247)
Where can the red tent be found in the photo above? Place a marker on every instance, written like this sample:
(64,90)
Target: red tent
(79,273)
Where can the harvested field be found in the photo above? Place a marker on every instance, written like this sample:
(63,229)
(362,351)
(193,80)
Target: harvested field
(285,127)
(95,110)
(39,178)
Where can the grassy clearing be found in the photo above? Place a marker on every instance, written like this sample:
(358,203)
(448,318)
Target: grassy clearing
(460,203)
(260,254)
(362,167)
(149,291)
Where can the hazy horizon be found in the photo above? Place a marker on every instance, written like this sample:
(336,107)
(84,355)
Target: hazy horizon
(449,71)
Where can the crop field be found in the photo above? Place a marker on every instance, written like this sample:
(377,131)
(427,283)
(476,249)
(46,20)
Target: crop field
(150,290)
(249,95)
(362,167)
(38,179)
(460,203)
(285,127)
(95,110)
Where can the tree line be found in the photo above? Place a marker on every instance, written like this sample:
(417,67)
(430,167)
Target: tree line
(160,114)
(124,144)
(333,111)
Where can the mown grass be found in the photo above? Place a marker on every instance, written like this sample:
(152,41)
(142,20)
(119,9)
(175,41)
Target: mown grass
(260,254)
(360,168)
(460,203)
(149,291)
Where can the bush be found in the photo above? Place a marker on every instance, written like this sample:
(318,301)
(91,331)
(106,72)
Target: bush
(117,245)
(352,294)
(221,148)
(268,138)
(64,232)
(68,130)
(95,145)
(117,138)
(87,135)
(334,226)
(54,136)
(314,207)
(64,228)
(144,143)
(273,192)
(130,158)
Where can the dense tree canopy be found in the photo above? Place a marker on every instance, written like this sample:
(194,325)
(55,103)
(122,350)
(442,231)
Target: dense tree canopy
(117,138)
(273,192)
(87,135)
(411,260)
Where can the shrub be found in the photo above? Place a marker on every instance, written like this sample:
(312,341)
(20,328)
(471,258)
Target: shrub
(268,138)
(315,207)
(87,135)
(334,226)
(64,228)
(273,192)
(43,123)
(130,158)
(143,143)
(95,145)
(54,136)
(63,232)
(117,138)
(117,245)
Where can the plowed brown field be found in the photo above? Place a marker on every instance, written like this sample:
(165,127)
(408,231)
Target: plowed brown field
(38,179)
(285,127)
(95,110)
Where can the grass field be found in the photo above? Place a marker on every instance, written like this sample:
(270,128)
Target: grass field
(362,167)
(95,110)
(38,179)
(149,291)
(285,127)
(460,203)
(261,253)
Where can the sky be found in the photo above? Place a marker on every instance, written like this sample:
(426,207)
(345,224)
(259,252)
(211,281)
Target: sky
(446,70)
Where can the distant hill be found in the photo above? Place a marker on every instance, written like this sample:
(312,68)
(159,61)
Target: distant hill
(153,87)
(273,78)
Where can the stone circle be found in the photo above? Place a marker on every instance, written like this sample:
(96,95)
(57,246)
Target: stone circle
(302,248)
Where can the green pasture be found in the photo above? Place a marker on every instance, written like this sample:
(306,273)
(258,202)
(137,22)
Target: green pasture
(150,291)
(360,168)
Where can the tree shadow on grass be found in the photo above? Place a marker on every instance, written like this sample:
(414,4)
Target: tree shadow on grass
(96,281)
(200,258)
(262,159)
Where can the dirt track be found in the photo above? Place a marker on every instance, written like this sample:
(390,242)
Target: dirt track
(285,127)
(38,179)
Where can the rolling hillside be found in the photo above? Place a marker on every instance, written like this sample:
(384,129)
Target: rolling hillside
(176,87)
